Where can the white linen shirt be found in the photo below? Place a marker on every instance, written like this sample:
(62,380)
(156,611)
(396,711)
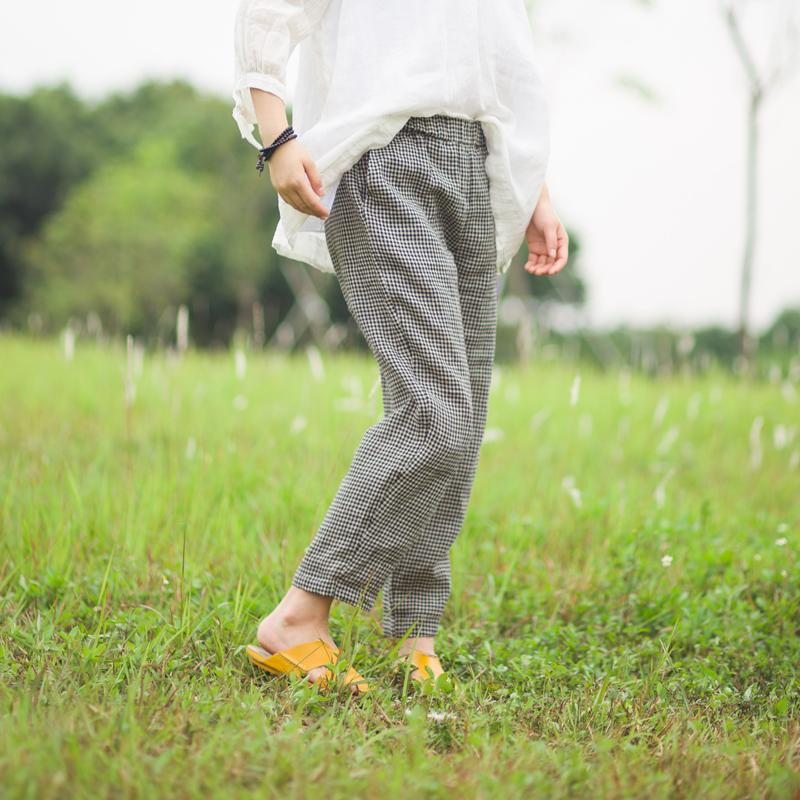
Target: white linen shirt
(365,66)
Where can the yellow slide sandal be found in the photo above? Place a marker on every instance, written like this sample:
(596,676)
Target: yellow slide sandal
(424,662)
(301,658)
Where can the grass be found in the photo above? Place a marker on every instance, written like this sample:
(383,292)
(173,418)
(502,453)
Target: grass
(626,589)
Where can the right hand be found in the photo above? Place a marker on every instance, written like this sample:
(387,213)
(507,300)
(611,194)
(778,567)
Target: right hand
(296,179)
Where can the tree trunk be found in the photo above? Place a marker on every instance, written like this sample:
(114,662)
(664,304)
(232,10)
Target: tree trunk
(746,341)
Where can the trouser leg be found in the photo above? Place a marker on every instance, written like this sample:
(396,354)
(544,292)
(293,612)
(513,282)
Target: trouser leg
(418,589)
(401,284)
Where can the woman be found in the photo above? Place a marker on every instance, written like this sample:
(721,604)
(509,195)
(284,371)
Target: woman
(413,170)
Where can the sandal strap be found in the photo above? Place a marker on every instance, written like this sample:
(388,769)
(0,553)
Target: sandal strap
(422,660)
(353,676)
(304,656)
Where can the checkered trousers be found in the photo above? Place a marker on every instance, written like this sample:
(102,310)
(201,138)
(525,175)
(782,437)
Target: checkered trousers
(412,240)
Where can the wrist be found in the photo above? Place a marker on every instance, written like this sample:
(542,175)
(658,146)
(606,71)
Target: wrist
(266,153)
(544,195)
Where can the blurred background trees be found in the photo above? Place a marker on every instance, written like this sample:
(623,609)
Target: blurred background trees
(114,214)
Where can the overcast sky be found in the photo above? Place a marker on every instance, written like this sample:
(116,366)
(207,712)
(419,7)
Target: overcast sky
(653,188)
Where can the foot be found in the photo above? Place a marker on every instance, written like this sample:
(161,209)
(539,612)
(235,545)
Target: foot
(420,652)
(300,617)
(424,644)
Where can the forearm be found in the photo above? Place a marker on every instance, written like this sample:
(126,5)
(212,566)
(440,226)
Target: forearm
(545,194)
(271,114)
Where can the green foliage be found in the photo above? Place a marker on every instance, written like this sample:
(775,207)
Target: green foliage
(121,245)
(116,183)
(49,145)
(785,331)
(626,590)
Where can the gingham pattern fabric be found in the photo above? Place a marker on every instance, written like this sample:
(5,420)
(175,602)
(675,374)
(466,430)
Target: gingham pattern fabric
(412,238)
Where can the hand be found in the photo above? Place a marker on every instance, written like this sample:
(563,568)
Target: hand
(548,243)
(295,177)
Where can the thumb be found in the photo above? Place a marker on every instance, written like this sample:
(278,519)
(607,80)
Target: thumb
(313,177)
(551,240)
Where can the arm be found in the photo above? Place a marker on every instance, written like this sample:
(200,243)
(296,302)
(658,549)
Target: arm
(265,33)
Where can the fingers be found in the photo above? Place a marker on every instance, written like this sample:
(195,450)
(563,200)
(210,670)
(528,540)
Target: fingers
(563,249)
(551,239)
(557,252)
(313,176)
(310,199)
(299,194)
(296,179)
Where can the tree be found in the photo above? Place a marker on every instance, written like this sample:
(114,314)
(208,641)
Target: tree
(761,81)
(41,160)
(121,245)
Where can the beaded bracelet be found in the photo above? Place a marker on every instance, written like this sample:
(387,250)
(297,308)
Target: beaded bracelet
(265,153)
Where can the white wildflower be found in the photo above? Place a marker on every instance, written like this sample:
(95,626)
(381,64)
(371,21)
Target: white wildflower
(660,410)
(666,561)
(660,493)
(497,378)
(782,436)
(493,434)
(349,403)
(756,453)
(298,424)
(568,483)
(240,360)
(315,362)
(575,390)
(68,339)
(376,384)
(182,329)
(138,359)
(781,542)
(668,440)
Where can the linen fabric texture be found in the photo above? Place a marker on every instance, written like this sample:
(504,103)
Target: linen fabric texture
(365,67)
(412,239)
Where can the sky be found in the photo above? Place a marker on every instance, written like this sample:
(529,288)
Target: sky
(654,188)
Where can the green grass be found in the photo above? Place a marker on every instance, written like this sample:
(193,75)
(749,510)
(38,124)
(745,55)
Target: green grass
(140,547)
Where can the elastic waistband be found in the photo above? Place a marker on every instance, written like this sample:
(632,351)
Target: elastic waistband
(443,126)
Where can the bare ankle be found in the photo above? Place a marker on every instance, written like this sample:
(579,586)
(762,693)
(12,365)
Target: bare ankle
(300,608)
(425,644)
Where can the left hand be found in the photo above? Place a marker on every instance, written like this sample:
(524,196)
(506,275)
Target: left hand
(548,243)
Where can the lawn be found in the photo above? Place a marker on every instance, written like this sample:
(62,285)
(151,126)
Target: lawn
(626,589)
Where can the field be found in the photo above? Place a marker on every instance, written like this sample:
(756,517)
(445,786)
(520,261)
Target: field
(626,590)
